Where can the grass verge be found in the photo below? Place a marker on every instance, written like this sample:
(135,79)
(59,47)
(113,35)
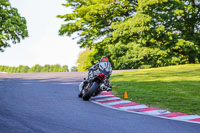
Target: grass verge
(173,88)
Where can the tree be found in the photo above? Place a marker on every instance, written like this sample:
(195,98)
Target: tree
(65,68)
(56,68)
(91,19)
(12,25)
(46,68)
(25,69)
(84,60)
(35,68)
(171,27)
(135,33)
(21,69)
(74,69)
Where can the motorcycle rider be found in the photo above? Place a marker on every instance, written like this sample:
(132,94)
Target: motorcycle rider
(103,61)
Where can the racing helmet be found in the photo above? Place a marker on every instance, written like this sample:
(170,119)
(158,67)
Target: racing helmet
(104,59)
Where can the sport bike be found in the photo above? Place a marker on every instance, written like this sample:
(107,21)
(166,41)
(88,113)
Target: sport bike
(96,82)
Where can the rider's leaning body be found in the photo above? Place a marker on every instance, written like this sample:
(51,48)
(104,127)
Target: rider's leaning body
(104,62)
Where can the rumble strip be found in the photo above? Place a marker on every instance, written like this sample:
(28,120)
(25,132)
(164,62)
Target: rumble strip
(111,101)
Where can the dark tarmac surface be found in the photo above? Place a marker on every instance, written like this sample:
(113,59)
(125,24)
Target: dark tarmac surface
(48,103)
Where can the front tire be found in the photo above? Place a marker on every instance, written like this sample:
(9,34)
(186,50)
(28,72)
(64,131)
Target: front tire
(91,91)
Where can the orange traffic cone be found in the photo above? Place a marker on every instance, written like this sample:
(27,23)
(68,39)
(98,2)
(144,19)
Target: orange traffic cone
(125,95)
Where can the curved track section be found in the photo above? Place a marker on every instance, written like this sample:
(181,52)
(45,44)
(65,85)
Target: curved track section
(48,103)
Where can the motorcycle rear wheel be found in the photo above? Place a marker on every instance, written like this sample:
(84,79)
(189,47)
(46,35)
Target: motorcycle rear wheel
(91,91)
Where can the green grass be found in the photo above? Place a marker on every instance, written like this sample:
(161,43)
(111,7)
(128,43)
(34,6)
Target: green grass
(173,88)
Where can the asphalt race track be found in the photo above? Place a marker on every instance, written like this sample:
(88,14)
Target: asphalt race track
(48,103)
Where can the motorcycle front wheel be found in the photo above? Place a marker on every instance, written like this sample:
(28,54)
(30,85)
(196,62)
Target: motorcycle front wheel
(91,91)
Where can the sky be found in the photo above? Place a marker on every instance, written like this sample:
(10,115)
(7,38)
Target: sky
(44,45)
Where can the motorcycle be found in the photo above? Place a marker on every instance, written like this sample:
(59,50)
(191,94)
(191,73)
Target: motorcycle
(98,81)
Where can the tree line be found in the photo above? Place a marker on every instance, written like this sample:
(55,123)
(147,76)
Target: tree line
(134,33)
(35,68)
